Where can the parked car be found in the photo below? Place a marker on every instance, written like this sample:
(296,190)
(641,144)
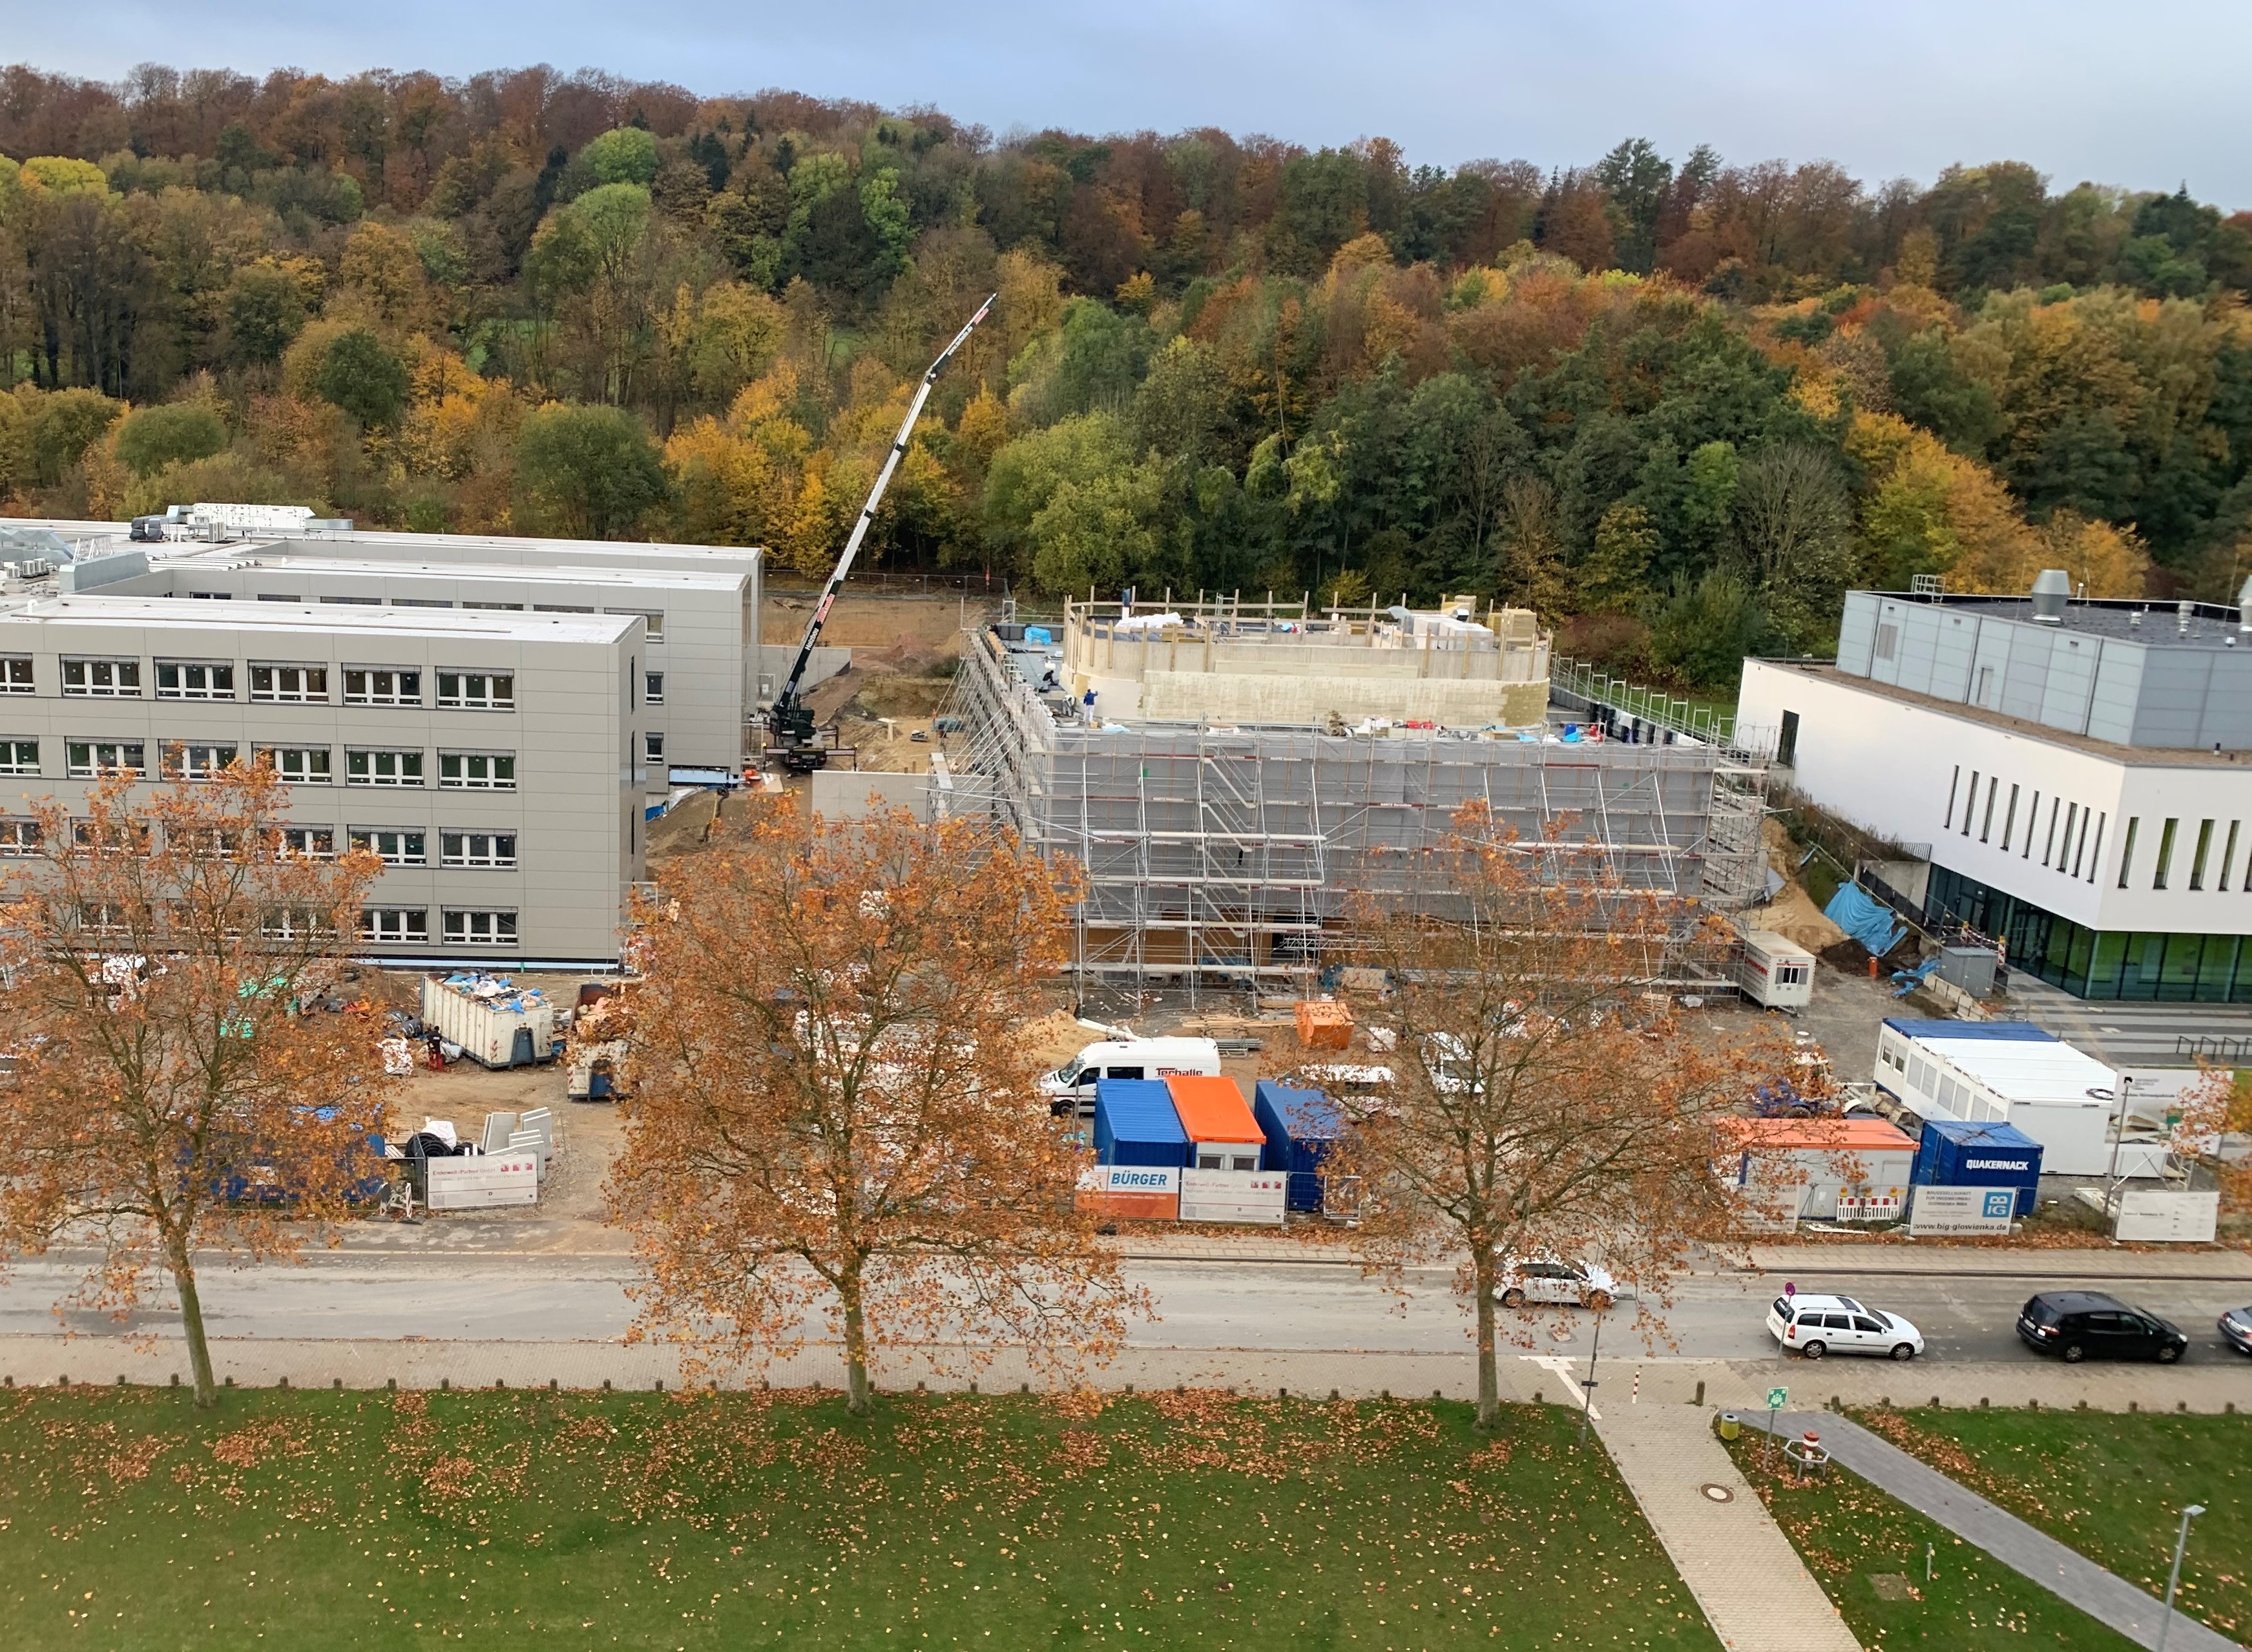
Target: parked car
(2077,1325)
(1819,1325)
(1545,1279)
(2236,1330)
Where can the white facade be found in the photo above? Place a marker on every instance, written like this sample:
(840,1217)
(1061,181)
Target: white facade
(2038,815)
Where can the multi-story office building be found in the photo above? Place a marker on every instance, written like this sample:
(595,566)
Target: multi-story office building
(494,758)
(2079,773)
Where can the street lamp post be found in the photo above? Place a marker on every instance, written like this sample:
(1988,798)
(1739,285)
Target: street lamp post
(2118,1134)
(1587,1384)
(2173,1577)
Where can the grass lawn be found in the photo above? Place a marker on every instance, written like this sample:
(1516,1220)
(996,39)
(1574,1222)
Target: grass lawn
(2113,1486)
(319,1520)
(1869,1553)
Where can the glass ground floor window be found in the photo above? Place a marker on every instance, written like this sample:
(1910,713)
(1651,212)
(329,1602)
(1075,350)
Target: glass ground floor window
(2098,963)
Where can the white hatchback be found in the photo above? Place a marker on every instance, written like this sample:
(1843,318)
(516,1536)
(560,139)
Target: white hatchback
(1819,1325)
(1544,1279)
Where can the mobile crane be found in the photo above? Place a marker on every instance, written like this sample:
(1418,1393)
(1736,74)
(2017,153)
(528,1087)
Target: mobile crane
(796,744)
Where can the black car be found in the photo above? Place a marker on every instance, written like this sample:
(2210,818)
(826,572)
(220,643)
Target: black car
(2077,1325)
(2236,1330)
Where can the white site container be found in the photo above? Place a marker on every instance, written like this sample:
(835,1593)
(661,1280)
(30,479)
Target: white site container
(2007,1072)
(513,1027)
(1233,1196)
(1776,972)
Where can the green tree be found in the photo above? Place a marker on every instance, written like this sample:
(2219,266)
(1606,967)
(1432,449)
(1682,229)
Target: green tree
(1615,578)
(1705,628)
(1794,523)
(588,472)
(362,375)
(625,156)
(151,438)
(265,309)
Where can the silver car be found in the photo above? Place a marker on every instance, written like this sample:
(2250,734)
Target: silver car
(1546,1278)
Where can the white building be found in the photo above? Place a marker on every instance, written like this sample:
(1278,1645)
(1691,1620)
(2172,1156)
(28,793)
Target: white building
(2077,774)
(2007,1072)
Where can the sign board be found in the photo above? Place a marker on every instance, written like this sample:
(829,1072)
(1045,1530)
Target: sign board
(1150,1191)
(1777,1399)
(481,1179)
(1233,1196)
(1961,1210)
(2183,1218)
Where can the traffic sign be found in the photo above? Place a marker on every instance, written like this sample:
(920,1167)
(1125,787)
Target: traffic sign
(1777,1398)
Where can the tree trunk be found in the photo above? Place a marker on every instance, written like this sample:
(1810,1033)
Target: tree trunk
(856,1348)
(1489,1400)
(191,1322)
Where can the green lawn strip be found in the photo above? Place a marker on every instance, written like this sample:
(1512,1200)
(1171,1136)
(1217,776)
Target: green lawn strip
(1869,1554)
(2111,1485)
(327,1519)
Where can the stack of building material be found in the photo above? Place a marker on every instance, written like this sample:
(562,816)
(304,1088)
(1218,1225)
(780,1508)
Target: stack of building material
(1324,1023)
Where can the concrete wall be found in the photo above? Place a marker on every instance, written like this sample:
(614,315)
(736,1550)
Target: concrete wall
(776,658)
(1210,697)
(847,794)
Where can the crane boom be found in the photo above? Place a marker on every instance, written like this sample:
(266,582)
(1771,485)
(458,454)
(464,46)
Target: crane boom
(793,720)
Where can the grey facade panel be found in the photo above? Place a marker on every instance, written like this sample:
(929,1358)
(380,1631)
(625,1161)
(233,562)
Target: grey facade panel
(2072,662)
(1990,666)
(2025,683)
(2118,686)
(2227,719)
(1857,633)
(2171,708)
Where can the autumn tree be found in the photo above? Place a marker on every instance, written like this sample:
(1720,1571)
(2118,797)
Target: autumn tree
(833,1110)
(178,1088)
(1538,1104)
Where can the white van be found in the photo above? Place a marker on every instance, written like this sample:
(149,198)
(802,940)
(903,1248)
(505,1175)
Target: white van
(1071,1087)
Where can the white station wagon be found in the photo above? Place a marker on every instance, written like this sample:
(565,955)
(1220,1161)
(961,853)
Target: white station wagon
(1819,1325)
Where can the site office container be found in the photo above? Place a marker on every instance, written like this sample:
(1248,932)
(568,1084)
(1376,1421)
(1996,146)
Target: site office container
(2008,1072)
(1223,1182)
(1848,1169)
(1776,972)
(514,1028)
(1302,1126)
(1140,1150)
(1966,1153)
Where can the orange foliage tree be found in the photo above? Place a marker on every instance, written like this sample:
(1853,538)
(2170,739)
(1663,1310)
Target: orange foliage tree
(176,1089)
(834,1112)
(1537,1105)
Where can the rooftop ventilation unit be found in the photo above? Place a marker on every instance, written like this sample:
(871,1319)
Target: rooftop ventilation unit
(2052,590)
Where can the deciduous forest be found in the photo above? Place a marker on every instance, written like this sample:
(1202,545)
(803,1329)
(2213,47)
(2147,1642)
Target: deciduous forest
(1678,403)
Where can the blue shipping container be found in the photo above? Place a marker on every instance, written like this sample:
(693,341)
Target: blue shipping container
(1135,1124)
(1301,1126)
(1962,1153)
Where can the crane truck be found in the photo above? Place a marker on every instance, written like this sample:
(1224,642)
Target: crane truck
(794,742)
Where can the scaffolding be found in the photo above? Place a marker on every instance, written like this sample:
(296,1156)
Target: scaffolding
(1224,857)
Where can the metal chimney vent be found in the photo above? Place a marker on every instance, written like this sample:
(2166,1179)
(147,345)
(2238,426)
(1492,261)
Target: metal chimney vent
(2052,590)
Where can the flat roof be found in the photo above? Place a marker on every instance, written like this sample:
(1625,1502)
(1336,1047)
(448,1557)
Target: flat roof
(2133,756)
(2128,618)
(1833,1135)
(439,544)
(2033,1069)
(170,614)
(233,556)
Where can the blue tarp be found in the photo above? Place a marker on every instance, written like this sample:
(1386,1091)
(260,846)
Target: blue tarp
(1868,921)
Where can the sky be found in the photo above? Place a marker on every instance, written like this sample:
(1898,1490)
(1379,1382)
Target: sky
(2145,96)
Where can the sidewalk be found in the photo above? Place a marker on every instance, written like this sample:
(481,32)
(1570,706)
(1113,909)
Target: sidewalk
(2070,1576)
(1755,1590)
(1786,1261)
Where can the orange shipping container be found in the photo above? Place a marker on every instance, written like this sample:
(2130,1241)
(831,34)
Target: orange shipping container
(1212,1109)
(1323,1023)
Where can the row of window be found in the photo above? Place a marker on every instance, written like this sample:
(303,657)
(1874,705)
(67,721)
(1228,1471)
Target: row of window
(402,926)
(299,764)
(2071,840)
(398,845)
(652,624)
(279,683)
(2200,860)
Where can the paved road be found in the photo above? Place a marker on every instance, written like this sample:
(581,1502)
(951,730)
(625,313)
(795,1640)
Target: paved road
(1234,1304)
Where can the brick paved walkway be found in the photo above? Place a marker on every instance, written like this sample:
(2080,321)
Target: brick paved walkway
(2065,1573)
(1754,1588)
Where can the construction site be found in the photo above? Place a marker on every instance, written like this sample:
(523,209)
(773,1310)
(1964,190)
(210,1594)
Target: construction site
(1230,776)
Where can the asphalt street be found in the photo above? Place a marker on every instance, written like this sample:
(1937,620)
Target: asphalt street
(1201,1305)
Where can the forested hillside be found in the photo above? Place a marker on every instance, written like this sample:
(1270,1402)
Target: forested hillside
(1680,404)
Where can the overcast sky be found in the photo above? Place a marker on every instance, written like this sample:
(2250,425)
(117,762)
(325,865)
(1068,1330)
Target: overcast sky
(2147,95)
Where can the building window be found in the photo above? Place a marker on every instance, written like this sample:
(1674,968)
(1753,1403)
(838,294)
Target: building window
(652,625)
(2032,825)
(2010,818)
(289,685)
(15,674)
(2126,850)
(19,757)
(293,923)
(422,602)
(2228,857)
(2049,847)
(182,680)
(653,688)
(497,607)
(2198,857)
(91,760)
(313,843)
(115,837)
(1954,784)
(383,768)
(356,601)
(481,929)
(652,748)
(279,596)
(393,925)
(476,691)
(478,771)
(19,837)
(1970,803)
(2166,852)
(367,685)
(477,849)
(1887,641)
(397,846)
(559,607)
(1986,824)
(113,679)
(195,760)
(298,765)
(2095,858)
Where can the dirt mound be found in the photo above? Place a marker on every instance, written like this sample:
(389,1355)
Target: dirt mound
(1056,1038)
(1792,914)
